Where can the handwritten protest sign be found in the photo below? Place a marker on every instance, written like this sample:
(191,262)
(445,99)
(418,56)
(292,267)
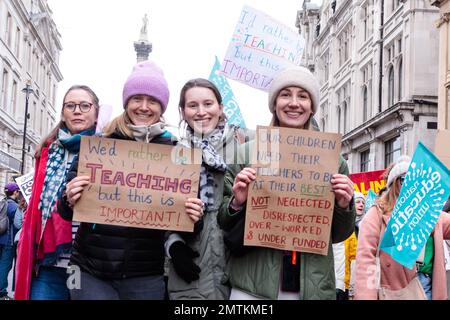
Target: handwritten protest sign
(426,187)
(135,184)
(443,146)
(25,184)
(230,105)
(260,48)
(364,181)
(290,204)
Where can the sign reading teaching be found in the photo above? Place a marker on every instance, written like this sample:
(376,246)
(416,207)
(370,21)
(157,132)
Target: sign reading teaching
(261,47)
(230,105)
(365,181)
(135,184)
(423,193)
(290,204)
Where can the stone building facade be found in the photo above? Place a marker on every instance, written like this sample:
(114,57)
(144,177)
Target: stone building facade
(377,63)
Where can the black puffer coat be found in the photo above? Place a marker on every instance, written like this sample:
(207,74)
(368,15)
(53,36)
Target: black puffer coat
(112,252)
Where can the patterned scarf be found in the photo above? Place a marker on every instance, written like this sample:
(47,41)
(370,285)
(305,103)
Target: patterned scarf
(147,133)
(212,160)
(55,175)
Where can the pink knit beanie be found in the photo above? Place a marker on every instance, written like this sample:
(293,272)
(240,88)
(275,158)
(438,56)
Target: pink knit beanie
(148,79)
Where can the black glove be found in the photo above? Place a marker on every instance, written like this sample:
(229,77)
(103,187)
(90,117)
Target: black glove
(182,260)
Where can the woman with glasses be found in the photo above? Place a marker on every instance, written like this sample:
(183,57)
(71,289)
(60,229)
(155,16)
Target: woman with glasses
(123,263)
(430,267)
(46,239)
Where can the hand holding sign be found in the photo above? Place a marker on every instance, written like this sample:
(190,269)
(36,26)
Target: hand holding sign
(342,187)
(75,188)
(241,185)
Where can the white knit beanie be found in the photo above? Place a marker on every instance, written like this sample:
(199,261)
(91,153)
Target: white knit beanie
(401,167)
(295,77)
(358,195)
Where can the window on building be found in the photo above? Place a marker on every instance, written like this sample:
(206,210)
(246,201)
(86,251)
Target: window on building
(17,44)
(339,119)
(400,80)
(344,45)
(365,161)
(42,121)
(391,87)
(30,55)
(391,151)
(14,98)
(8,30)
(326,66)
(35,119)
(367,17)
(323,116)
(344,116)
(365,105)
(5,89)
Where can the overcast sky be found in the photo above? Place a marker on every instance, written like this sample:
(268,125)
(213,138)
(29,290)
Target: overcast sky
(98,35)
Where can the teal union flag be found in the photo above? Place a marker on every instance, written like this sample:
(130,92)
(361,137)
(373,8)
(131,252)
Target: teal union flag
(424,191)
(230,105)
(370,199)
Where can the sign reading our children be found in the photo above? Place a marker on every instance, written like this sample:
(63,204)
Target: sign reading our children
(416,212)
(135,184)
(290,204)
(261,47)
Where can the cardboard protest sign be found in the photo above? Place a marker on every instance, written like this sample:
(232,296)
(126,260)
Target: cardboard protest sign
(442,146)
(424,191)
(230,105)
(260,48)
(25,184)
(290,204)
(364,181)
(135,184)
(370,199)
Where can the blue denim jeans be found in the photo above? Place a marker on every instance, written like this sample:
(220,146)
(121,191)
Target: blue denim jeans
(140,288)
(50,284)
(6,262)
(425,280)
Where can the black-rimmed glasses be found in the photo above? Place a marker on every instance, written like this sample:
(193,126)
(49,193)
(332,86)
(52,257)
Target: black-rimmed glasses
(84,106)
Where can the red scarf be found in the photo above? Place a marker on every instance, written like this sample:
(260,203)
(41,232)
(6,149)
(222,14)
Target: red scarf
(31,251)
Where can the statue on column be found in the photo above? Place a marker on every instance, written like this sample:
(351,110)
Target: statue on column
(144,28)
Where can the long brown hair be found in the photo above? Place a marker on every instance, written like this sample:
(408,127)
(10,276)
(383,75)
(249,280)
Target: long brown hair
(201,83)
(60,125)
(389,198)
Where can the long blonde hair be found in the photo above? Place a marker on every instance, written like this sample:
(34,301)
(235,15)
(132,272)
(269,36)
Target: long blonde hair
(120,125)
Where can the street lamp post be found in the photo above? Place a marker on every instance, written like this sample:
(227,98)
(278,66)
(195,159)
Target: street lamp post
(27,90)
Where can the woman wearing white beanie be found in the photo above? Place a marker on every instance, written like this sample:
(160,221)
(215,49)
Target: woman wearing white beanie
(275,274)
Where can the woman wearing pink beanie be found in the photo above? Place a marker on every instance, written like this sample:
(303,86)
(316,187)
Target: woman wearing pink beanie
(122,262)
(265,273)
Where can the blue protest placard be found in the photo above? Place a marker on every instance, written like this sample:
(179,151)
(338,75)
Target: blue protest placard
(230,105)
(370,199)
(425,189)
